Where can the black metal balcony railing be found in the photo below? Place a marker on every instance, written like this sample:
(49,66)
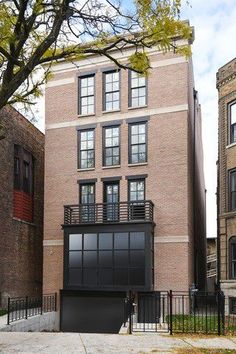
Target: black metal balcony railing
(101,213)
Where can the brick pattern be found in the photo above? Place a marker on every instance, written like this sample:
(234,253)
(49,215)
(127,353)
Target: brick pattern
(20,242)
(169,183)
(226,84)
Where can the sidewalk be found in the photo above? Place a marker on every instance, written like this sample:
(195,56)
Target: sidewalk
(67,343)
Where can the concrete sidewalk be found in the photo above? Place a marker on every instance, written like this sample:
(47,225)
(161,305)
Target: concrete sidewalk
(68,343)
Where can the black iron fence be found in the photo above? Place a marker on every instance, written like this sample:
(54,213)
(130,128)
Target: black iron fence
(179,312)
(19,308)
(108,212)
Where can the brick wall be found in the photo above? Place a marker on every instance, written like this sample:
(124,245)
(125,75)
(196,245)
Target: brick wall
(20,242)
(169,168)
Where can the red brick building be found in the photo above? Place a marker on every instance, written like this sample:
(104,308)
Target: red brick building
(21,206)
(124,183)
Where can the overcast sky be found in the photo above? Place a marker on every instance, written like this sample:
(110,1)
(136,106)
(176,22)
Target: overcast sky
(215,30)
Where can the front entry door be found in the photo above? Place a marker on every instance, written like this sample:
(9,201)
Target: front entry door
(111,198)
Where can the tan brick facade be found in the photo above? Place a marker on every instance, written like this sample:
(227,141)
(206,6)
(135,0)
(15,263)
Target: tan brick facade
(226,84)
(169,169)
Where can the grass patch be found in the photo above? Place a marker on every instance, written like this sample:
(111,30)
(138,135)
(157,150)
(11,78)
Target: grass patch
(3,312)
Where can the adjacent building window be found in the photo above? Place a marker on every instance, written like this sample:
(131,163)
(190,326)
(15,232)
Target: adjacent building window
(23,184)
(138,143)
(232,122)
(232,305)
(111,95)
(232,190)
(86,149)
(111,155)
(137,90)
(232,259)
(87,201)
(86,94)
(111,200)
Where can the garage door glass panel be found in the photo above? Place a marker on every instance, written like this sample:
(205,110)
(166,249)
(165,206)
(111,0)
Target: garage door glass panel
(75,242)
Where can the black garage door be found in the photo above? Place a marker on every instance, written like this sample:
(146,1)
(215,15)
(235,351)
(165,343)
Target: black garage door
(92,312)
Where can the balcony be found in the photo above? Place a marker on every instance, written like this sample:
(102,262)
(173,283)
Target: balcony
(106,213)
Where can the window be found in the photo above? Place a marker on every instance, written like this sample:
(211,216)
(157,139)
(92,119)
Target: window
(136,198)
(115,259)
(111,156)
(232,305)
(232,122)
(137,143)
(87,201)
(111,198)
(111,90)
(23,184)
(232,190)
(86,149)
(232,257)
(138,90)
(86,94)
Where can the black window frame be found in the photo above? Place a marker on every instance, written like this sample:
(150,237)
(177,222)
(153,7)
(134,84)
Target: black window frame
(232,305)
(81,150)
(23,181)
(232,261)
(130,142)
(137,180)
(87,210)
(105,93)
(110,209)
(231,194)
(105,148)
(130,88)
(232,127)
(80,97)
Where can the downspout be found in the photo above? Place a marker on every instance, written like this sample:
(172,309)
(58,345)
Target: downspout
(218,228)
(194,199)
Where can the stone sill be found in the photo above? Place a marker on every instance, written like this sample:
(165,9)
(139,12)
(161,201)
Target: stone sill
(230,145)
(85,169)
(86,115)
(112,111)
(108,167)
(137,107)
(137,164)
(24,222)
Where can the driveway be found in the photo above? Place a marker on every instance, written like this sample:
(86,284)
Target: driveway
(60,343)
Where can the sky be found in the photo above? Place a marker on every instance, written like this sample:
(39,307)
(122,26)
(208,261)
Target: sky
(215,31)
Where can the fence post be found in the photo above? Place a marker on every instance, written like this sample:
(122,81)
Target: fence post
(26,307)
(41,310)
(130,312)
(8,310)
(219,312)
(55,305)
(171,311)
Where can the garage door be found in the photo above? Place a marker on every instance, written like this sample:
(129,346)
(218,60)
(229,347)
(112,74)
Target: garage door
(92,312)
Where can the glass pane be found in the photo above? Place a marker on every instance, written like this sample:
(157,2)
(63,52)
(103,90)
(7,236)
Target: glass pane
(106,241)
(137,240)
(142,128)
(84,82)
(233,113)
(142,101)
(116,105)
(75,242)
(233,251)
(75,276)
(91,109)
(84,91)
(75,259)
(137,259)
(121,259)
(90,259)
(137,277)
(105,259)
(121,240)
(84,110)
(134,129)
(109,106)
(121,277)
(116,76)
(90,241)
(90,276)
(90,135)
(83,136)
(105,277)
(109,77)
(91,81)
(108,132)
(233,181)
(135,102)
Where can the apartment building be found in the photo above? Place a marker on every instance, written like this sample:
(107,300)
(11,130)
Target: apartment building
(21,206)
(124,186)
(226,85)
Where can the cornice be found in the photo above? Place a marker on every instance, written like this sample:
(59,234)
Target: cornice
(226,73)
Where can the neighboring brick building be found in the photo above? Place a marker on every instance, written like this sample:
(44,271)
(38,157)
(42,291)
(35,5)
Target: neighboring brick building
(21,206)
(124,155)
(226,85)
